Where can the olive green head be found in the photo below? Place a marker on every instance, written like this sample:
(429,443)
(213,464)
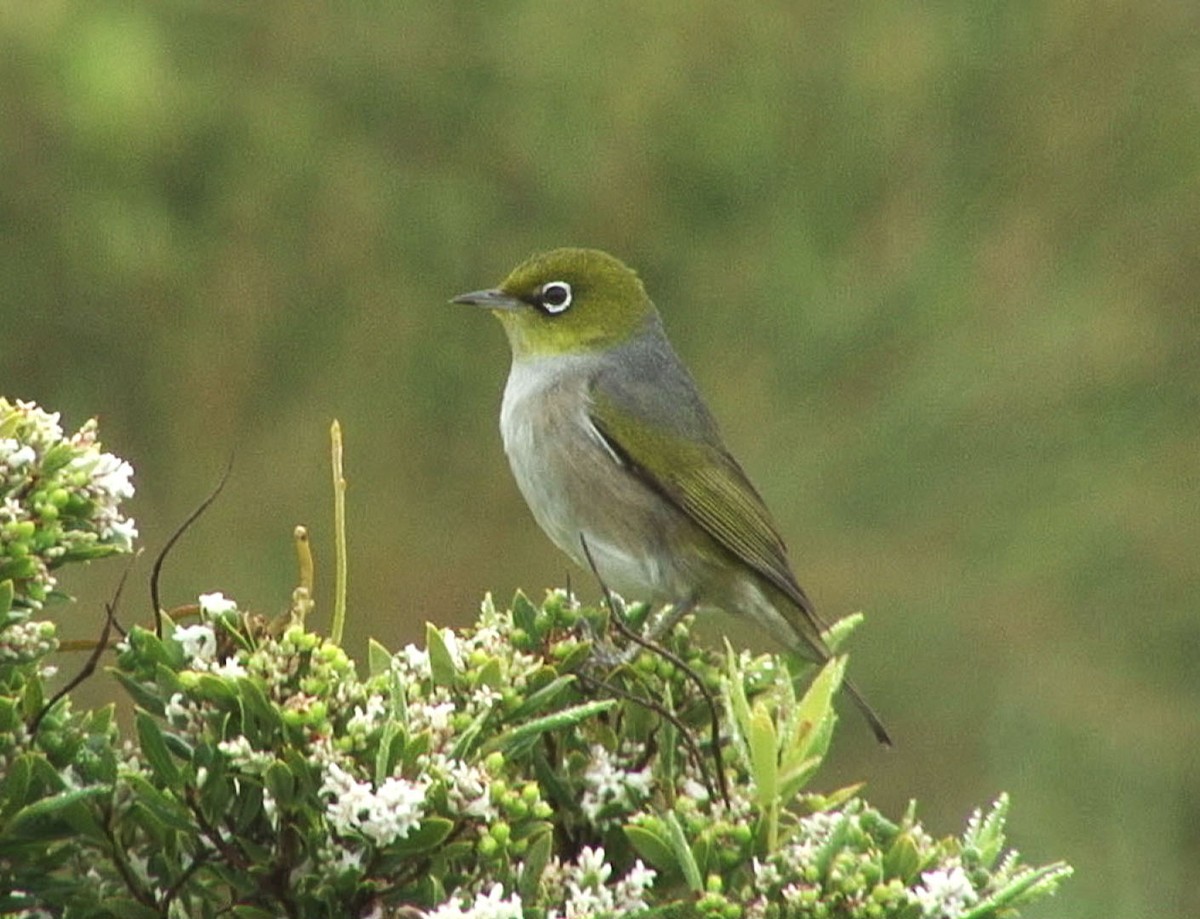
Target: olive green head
(567,300)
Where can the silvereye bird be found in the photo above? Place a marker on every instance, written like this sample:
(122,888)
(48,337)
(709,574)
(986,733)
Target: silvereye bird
(611,445)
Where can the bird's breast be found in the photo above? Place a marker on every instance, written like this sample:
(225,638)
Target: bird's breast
(574,485)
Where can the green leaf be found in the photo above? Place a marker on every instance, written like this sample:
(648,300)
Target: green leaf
(682,853)
(837,798)
(902,860)
(736,691)
(537,856)
(145,697)
(428,836)
(542,698)
(441,661)
(127,908)
(705,853)
(762,742)
(668,764)
(793,778)
(490,674)
(154,748)
(391,748)
(18,569)
(469,736)
(524,613)
(653,847)
(218,690)
(87,553)
(555,788)
(252,912)
(6,596)
(154,650)
(32,699)
(281,783)
(986,833)
(260,716)
(834,844)
(14,788)
(9,718)
(523,735)
(1043,880)
(247,809)
(576,657)
(48,818)
(814,716)
(163,808)
(379,658)
(839,631)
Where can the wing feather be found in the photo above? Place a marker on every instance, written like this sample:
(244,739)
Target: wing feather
(706,483)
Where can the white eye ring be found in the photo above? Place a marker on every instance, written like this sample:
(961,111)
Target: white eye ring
(555,296)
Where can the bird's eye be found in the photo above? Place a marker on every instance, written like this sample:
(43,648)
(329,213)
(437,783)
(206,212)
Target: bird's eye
(555,296)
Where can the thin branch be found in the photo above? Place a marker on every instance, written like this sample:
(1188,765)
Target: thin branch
(156,571)
(675,659)
(89,666)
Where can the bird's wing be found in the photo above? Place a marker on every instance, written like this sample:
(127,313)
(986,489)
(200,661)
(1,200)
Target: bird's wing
(703,480)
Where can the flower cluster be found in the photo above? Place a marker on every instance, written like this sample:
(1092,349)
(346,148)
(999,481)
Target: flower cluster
(489,749)
(60,500)
(614,785)
(498,771)
(506,770)
(586,887)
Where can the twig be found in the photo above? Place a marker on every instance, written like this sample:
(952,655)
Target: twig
(89,666)
(339,535)
(156,571)
(675,659)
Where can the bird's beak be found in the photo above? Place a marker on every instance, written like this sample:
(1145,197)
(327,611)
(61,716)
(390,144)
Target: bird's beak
(488,299)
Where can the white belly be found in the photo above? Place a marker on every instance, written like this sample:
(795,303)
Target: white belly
(574,485)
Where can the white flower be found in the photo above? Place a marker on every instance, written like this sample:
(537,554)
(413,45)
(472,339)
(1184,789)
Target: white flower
(415,659)
(18,456)
(766,874)
(270,808)
(491,905)
(694,789)
(364,719)
(439,715)
(111,475)
(45,423)
(945,893)
(485,697)
(611,787)
(384,815)
(176,710)
(230,668)
(244,757)
(469,786)
(122,531)
(199,643)
(215,604)
(632,888)
(593,868)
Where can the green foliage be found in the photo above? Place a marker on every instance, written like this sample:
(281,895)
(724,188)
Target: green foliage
(488,771)
(59,501)
(508,769)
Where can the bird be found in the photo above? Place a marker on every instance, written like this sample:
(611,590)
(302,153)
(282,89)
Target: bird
(621,462)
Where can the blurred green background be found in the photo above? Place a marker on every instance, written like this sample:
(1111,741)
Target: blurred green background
(936,266)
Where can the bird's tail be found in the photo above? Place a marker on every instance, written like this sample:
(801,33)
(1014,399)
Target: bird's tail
(881,733)
(789,615)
